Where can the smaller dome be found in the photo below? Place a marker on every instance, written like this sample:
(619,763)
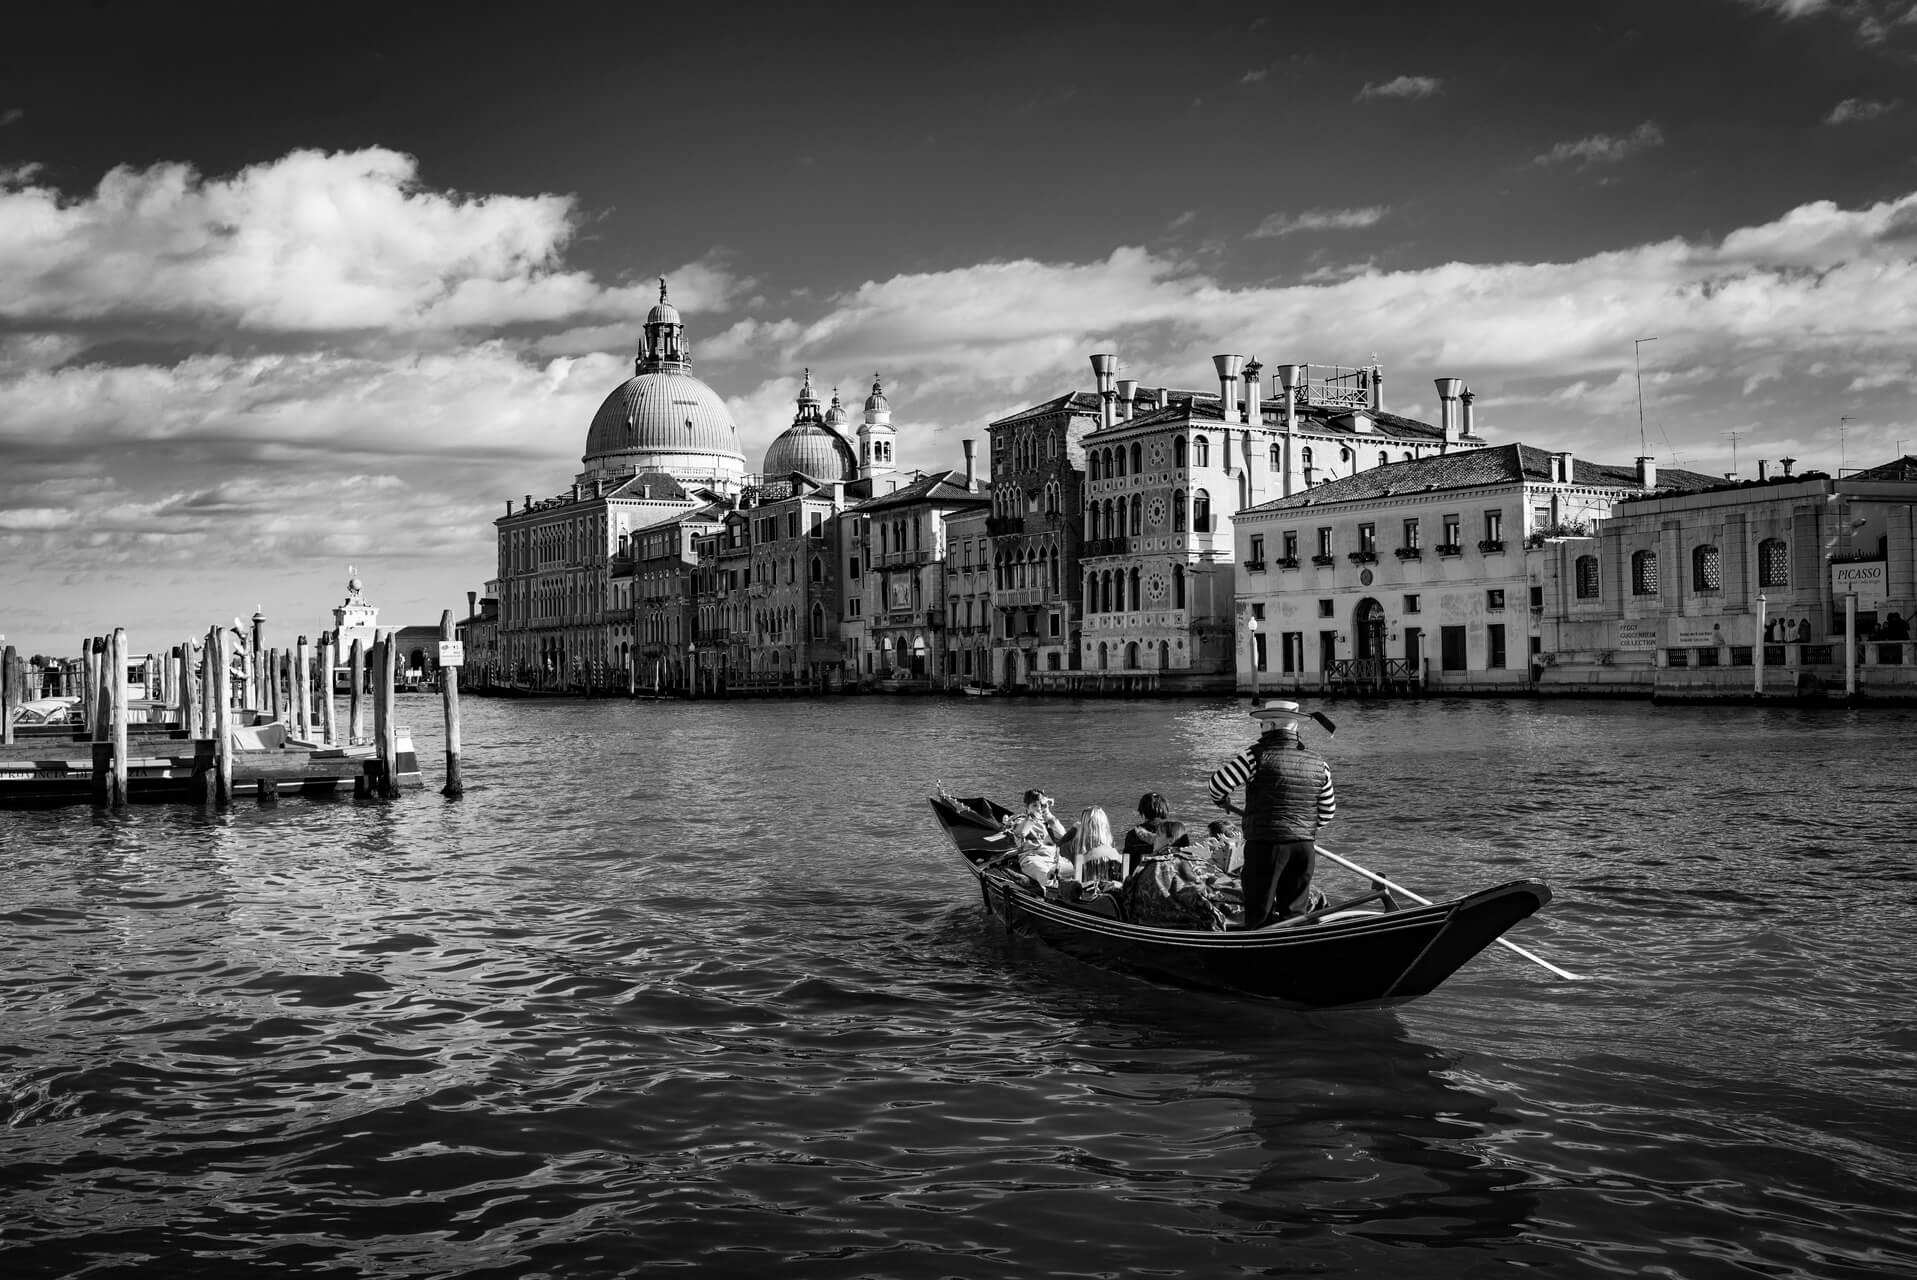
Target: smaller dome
(835,415)
(876,402)
(812,450)
(663,312)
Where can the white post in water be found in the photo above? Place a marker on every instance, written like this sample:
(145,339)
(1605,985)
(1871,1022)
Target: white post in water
(1757,652)
(1850,644)
(117,656)
(219,660)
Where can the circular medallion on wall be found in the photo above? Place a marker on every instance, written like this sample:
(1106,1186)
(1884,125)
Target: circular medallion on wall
(1158,453)
(1364,579)
(1155,587)
(1156,511)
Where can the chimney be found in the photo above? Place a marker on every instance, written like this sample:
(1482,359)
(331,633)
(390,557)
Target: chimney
(1254,394)
(1377,388)
(575,491)
(1448,389)
(1127,398)
(1228,367)
(1647,473)
(971,466)
(1763,469)
(528,502)
(1290,378)
(1102,366)
(1469,422)
(472,603)
(1563,469)
(509,506)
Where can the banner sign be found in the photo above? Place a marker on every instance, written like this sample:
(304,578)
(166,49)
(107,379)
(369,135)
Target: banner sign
(1700,633)
(1870,579)
(452,653)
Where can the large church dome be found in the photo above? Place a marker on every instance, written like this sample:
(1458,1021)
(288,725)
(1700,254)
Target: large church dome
(664,419)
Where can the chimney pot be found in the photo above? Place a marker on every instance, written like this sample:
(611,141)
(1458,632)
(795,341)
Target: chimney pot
(1647,473)
(971,466)
(1228,367)
(1127,398)
(1448,389)
(1254,394)
(1103,364)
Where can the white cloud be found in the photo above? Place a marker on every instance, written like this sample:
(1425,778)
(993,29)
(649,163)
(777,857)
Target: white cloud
(1602,148)
(1284,224)
(1254,75)
(311,242)
(1854,109)
(1401,87)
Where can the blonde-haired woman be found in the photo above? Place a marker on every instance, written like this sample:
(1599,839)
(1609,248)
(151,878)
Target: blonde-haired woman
(1094,857)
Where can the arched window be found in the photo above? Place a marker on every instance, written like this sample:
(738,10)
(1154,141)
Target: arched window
(818,569)
(1091,467)
(1138,515)
(1178,510)
(1407,455)
(1304,457)
(1344,454)
(1105,591)
(1101,655)
(1200,511)
(1136,598)
(1277,459)
(1054,584)
(1138,458)
(1131,656)
(1178,451)
(818,623)
(1118,591)
(1707,569)
(1587,576)
(1200,451)
(1178,586)
(1118,458)
(1773,563)
(1384,458)
(1092,511)
(1113,520)
(1644,573)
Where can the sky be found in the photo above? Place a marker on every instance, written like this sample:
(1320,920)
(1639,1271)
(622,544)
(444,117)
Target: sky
(285,290)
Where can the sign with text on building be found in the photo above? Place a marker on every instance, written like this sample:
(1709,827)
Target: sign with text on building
(1870,579)
(1637,635)
(1700,633)
(452,653)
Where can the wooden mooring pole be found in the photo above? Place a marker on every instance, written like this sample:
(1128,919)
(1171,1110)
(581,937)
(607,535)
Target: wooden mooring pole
(385,678)
(9,693)
(116,660)
(303,690)
(449,697)
(355,702)
(328,659)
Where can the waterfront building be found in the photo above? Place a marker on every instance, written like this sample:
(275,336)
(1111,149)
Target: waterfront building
(1167,473)
(968,597)
(1038,493)
(1740,587)
(1416,574)
(656,565)
(904,539)
(662,445)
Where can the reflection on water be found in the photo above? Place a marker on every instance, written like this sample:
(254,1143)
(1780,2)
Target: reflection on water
(699,985)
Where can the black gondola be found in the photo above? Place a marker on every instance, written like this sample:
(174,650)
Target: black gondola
(1350,953)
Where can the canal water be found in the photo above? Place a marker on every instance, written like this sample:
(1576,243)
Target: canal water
(698,988)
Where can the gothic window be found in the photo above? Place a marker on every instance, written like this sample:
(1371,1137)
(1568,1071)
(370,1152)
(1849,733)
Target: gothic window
(1138,515)
(1135,597)
(1091,522)
(1118,458)
(1137,459)
(1091,467)
(1178,586)
(1178,510)
(1178,451)
(818,569)
(1707,569)
(1644,573)
(1200,451)
(1773,563)
(1200,511)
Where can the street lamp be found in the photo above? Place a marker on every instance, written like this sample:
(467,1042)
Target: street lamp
(1251,630)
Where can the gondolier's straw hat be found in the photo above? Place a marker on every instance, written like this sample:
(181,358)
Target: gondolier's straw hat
(1278,714)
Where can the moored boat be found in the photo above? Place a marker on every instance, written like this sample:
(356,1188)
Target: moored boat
(1350,953)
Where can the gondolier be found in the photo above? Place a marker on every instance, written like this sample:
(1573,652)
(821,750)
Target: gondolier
(1288,796)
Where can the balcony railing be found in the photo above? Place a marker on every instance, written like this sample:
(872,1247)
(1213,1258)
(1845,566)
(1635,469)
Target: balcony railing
(1255,566)
(1286,562)
(1490,545)
(1410,553)
(1448,549)
(1364,557)
(1324,561)
(1106,547)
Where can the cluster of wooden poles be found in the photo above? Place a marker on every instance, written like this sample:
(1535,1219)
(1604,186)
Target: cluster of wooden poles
(229,680)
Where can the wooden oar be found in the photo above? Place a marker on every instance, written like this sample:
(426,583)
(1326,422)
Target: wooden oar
(1398,888)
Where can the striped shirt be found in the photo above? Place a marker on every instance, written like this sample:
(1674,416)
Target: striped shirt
(1232,775)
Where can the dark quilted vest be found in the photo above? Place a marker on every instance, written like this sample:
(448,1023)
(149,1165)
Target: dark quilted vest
(1281,796)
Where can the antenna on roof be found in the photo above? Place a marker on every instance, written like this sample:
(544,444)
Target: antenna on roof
(1733,435)
(1638,358)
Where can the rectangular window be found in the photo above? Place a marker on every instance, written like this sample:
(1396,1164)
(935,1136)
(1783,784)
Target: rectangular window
(1258,610)
(1537,597)
(1453,530)
(852,569)
(1053,617)
(1411,604)
(1451,648)
(1494,526)
(1325,608)
(1291,545)
(1494,638)
(1494,598)
(1368,538)
(1327,650)
(792,524)
(1257,548)
(1294,647)
(1411,534)
(1324,541)
(854,606)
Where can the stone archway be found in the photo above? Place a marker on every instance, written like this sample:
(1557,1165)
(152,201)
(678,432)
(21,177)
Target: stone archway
(1368,629)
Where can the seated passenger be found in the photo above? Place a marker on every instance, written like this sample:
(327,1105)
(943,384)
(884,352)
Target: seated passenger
(1038,831)
(1153,812)
(1225,845)
(1094,858)
(1171,887)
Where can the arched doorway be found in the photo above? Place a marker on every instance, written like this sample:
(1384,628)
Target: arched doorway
(1011,669)
(1368,629)
(1131,655)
